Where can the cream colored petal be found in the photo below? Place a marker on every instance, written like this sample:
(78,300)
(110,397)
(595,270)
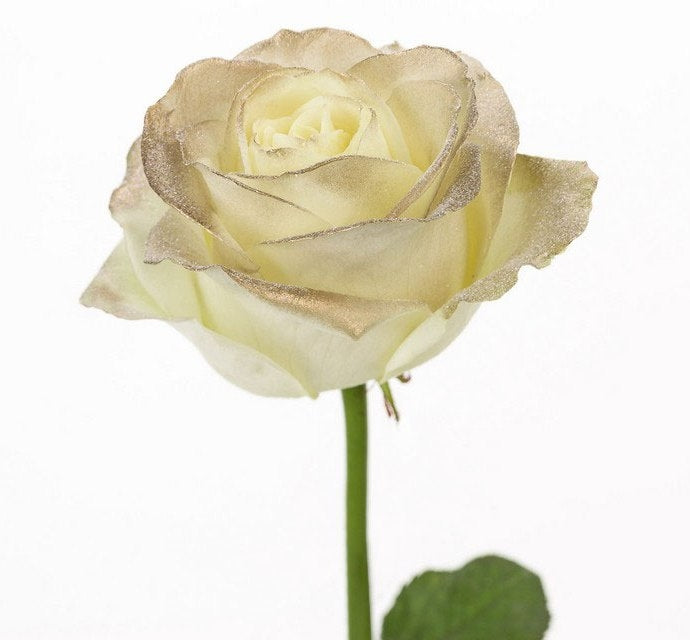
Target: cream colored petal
(128,287)
(117,290)
(240,364)
(251,215)
(437,75)
(384,72)
(268,339)
(428,339)
(313,49)
(496,133)
(280,94)
(199,143)
(273,162)
(139,210)
(429,113)
(181,242)
(201,92)
(204,90)
(343,190)
(386,259)
(546,207)
(133,202)
(325,341)
(426,111)
(176,183)
(179,185)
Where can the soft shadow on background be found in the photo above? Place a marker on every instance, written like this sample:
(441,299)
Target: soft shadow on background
(141,496)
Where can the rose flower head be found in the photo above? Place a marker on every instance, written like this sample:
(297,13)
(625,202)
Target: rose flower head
(316,212)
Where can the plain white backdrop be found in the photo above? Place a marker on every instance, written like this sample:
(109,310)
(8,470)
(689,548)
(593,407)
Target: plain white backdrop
(143,497)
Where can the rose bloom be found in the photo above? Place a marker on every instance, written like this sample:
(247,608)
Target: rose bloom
(316,212)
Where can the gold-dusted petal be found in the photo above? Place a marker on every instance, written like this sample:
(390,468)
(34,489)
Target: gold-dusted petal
(251,215)
(437,74)
(174,133)
(204,90)
(496,133)
(177,238)
(134,201)
(179,185)
(348,314)
(343,190)
(322,340)
(138,210)
(199,143)
(546,207)
(313,49)
(384,72)
(429,113)
(426,110)
(184,244)
(385,259)
(461,182)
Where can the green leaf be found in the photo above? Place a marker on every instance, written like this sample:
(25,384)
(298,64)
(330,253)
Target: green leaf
(490,598)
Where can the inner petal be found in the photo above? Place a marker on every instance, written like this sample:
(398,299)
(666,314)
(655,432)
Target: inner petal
(295,119)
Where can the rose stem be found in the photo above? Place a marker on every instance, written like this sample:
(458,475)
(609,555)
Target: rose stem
(358,606)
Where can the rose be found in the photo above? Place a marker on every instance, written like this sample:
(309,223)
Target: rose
(316,213)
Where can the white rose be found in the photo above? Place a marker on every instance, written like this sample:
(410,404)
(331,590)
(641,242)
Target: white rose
(316,213)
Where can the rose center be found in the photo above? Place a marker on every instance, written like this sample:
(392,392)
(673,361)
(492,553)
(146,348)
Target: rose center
(328,122)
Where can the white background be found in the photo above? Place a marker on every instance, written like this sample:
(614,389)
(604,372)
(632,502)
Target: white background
(142,496)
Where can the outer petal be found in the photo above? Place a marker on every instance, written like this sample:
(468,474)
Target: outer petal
(496,133)
(251,215)
(313,49)
(267,338)
(137,209)
(175,239)
(547,205)
(118,290)
(201,92)
(383,259)
(429,70)
(343,190)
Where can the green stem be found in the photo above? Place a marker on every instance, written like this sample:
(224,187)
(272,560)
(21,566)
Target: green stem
(358,607)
